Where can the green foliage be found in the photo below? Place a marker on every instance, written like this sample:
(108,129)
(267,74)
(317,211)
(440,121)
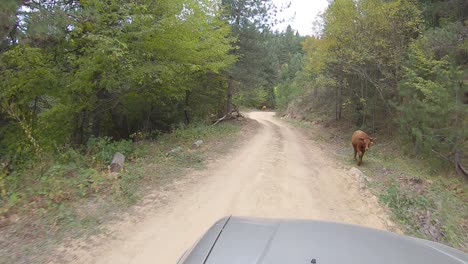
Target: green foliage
(68,175)
(256,66)
(357,57)
(83,69)
(79,78)
(439,13)
(252,98)
(432,111)
(290,62)
(26,77)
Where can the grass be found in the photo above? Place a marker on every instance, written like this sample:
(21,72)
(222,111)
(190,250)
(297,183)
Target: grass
(427,203)
(71,194)
(425,199)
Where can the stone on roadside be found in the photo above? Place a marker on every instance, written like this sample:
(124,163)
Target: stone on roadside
(174,151)
(390,224)
(198,144)
(359,176)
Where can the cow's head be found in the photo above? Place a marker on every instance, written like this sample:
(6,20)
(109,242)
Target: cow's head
(367,142)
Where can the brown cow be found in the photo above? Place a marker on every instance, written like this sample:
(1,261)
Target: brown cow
(361,143)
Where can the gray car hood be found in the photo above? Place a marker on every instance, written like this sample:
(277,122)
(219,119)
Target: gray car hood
(249,240)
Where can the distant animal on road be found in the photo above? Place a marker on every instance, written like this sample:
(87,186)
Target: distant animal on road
(361,143)
(264,108)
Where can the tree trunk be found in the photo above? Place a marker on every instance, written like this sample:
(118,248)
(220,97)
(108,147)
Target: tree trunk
(96,124)
(336,103)
(230,91)
(9,25)
(365,107)
(147,125)
(186,107)
(79,133)
(271,97)
(117,163)
(34,117)
(102,95)
(459,133)
(340,103)
(373,117)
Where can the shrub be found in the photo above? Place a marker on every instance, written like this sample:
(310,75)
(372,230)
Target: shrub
(101,150)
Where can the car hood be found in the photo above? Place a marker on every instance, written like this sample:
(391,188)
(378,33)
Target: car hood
(249,240)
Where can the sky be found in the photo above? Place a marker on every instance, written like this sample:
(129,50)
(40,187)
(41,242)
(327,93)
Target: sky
(304,13)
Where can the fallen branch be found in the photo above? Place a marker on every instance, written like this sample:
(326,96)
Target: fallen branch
(221,119)
(440,155)
(229,116)
(463,169)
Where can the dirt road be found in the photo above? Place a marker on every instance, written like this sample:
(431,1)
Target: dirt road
(277,173)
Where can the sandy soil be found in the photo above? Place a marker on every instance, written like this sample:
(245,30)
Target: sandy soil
(277,173)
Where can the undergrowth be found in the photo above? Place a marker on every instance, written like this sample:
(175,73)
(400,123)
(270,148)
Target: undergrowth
(62,176)
(54,178)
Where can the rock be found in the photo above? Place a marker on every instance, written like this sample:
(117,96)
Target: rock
(175,151)
(198,143)
(390,224)
(362,183)
(359,176)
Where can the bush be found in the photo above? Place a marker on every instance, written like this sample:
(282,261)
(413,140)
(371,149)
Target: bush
(101,150)
(128,183)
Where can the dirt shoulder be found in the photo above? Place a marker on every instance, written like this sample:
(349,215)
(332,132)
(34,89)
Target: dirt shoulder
(423,200)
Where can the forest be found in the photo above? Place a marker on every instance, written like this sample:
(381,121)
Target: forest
(79,77)
(81,80)
(393,68)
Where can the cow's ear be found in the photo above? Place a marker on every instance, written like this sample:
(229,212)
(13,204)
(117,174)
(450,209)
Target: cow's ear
(371,139)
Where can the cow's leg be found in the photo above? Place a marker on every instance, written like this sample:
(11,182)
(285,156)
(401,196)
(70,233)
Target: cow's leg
(355,151)
(360,158)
